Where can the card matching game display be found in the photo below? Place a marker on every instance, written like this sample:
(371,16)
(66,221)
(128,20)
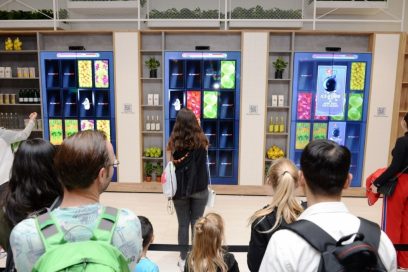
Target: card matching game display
(208,83)
(77,94)
(330,100)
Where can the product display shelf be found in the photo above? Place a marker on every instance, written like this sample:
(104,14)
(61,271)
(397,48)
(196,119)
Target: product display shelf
(278,112)
(151,99)
(13,60)
(401,95)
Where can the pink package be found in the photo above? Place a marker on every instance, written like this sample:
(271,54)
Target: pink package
(304,106)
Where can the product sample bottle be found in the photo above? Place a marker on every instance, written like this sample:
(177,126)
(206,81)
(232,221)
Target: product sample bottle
(271,125)
(148,123)
(282,125)
(157,123)
(276,125)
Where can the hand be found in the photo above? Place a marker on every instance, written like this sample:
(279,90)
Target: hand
(374,189)
(33,116)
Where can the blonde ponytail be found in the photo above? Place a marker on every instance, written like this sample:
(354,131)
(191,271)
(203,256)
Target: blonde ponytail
(283,176)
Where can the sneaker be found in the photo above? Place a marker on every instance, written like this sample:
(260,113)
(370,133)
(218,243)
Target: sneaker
(181,263)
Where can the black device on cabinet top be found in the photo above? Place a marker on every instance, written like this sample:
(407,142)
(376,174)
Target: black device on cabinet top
(76,47)
(202,47)
(333,49)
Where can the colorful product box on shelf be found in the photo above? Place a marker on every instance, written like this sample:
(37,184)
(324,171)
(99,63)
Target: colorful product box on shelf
(274,100)
(26,72)
(150,99)
(87,125)
(19,72)
(104,126)
(55,126)
(32,72)
(7,72)
(101,73)
(281,101)
(156,99)
(71,127)
(1,99)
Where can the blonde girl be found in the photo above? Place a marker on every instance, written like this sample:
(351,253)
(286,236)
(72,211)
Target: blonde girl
(283,209)
(207,253)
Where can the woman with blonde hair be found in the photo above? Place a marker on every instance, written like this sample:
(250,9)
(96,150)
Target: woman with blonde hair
(283,209)
(207,253)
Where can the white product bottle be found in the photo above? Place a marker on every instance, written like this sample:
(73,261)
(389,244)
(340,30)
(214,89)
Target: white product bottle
(157,123)
(148,123)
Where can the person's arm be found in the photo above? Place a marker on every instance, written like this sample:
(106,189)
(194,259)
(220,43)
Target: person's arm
(11,136)
(233,267)
(256,250)
(398,158)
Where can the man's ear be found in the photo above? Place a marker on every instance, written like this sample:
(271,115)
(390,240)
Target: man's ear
(102,174)
(302,181)
(348,181)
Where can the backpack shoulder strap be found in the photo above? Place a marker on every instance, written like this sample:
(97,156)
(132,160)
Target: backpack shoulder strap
(371,231)
(312,233)
(107,223)
(49,231)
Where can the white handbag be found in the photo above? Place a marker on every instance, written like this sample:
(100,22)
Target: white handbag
(211,192)
(169,181)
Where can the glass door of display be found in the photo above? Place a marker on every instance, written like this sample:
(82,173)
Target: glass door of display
(208,83)
(77,94)
(330,101)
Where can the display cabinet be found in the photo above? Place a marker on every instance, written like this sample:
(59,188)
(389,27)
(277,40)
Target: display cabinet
(19,81)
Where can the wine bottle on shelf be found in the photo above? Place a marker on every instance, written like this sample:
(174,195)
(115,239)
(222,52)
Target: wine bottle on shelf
(20,96)
(148,123)
(276,125)
(25,95)
(1,120)
(282,125)
(157,123)
(6,121)
(31,96)
(36,100)
(270,129)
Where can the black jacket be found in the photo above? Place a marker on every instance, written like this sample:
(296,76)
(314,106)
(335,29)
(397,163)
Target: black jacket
(229,260)
(399,161)
(259,241)
(191,172)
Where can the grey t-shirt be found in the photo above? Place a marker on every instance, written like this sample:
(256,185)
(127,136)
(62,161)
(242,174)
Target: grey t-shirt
(77,224)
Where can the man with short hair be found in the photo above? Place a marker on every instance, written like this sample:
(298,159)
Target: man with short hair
(324,174)
(85,164)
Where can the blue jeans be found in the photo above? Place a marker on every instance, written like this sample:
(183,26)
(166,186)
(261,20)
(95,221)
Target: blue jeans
(188,210)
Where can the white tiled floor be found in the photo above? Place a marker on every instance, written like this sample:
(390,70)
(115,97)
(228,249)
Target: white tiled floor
(235,210)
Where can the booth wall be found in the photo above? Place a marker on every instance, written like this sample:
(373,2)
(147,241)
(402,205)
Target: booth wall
(126,58)
(384,72)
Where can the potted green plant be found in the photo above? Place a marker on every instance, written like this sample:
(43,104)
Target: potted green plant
(152,64)
(279,64)
(148,171)
(159,171)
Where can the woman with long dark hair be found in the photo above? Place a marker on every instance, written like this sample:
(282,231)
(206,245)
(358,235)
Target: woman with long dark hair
(33,185)
(395,208)
(187,148)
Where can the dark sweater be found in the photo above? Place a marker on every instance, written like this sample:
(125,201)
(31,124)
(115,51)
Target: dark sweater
(229,260)
(191,172)
(399,161)
(259,241)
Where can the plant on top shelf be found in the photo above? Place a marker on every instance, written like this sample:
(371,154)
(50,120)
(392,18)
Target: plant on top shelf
(152,64)
(149,171)
(280,64)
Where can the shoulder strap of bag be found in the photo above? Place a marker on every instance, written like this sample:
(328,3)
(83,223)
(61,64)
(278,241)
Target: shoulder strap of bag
(401,172)
(208,169)
(107,223)
(312,233)
(371,231)
(50,232)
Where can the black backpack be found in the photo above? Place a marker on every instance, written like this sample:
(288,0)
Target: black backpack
(359,255)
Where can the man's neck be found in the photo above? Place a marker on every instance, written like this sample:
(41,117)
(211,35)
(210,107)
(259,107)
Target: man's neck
(75,198)
(314,199)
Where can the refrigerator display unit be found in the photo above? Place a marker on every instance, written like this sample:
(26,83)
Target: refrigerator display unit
(208,83)
(330,100)
(77,94)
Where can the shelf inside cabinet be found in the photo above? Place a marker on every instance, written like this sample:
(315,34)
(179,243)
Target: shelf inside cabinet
(19,78)
(152,132)
(152,159)
(152,106)
(277,108)
(151,51)
(21,105)
(276,134)
(152,79)
(279,79)
(280,52)
(19,52)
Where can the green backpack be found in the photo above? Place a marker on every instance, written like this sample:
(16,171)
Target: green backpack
(96,254)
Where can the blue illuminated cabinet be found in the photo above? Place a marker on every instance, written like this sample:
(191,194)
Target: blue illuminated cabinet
(77,94)
(208,83)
